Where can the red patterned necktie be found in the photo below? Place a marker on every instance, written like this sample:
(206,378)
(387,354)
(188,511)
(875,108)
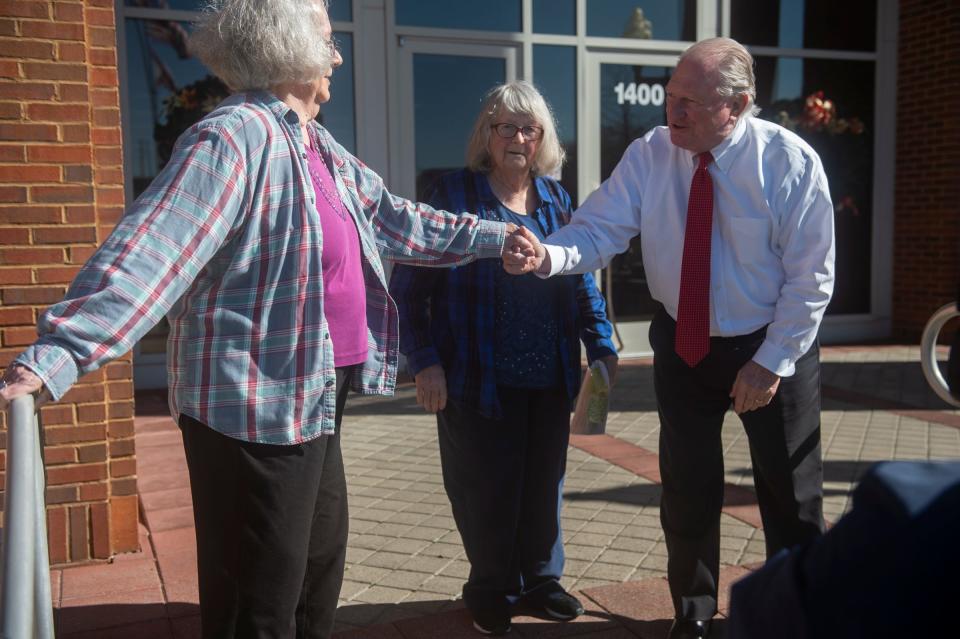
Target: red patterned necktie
(692,340)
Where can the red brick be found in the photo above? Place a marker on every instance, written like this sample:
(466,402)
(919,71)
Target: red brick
(78,173)
(12,152)
(106,117)
(93,432)
(58,112)
(85,393)
(123,486)
(27,91)
(8,28)
(94,492)
(15,316)
(32,295)
(31,256)
(68,12)
(31,215)
(108,157)
(14,235)
(55,71)
(13,194)
(19,336)
(121,428)
(92,453)
(30,173)
(95,413)
(74,93)
(109,176)
(120,390)
(57,535)
(71,52)
(76,133)
(59,475)
(123,468)
(65,235)
(122,447)
(57,415)
(120,370)
(25,9)
(103,58)
(80,254)
(51,30)
(79,539)
(120,410)
(101,77)
(16,276)
(61,194)
(10,69)
(100,530)
(81,215)
(62,495)
(106,136)
(110,196)
(123,517)
(102,37)
(105,97)
(53,455)
(56,275)
(28,132)
(70,153)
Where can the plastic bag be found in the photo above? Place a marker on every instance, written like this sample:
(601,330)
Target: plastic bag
(593,402)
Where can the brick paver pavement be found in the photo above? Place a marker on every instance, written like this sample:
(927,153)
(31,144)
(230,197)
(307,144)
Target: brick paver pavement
(405,561)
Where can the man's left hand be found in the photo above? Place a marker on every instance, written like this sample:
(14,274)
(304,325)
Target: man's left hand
(754,387)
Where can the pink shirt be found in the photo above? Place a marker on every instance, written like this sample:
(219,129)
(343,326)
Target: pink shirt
(344,303)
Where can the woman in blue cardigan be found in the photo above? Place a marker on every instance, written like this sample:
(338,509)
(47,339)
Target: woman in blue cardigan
(497,357)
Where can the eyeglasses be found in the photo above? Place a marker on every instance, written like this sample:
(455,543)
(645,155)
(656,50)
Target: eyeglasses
(508,131)
(332,46)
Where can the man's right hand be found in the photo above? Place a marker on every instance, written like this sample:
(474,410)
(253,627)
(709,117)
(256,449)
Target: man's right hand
(534,259)
(19,381)
(432,388)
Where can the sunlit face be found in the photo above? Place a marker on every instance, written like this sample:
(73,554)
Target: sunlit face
(518,153)
(699,118)
(323,83)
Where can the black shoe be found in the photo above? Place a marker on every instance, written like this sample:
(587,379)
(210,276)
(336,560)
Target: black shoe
(493,623)
(554,601)
(689,629)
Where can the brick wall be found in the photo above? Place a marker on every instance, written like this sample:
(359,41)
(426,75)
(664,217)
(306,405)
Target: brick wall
(61,190)
(927,208)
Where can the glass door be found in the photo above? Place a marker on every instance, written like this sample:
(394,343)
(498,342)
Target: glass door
(441,87)
(625,97)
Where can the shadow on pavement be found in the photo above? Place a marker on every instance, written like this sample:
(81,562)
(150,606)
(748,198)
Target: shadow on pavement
(126,621)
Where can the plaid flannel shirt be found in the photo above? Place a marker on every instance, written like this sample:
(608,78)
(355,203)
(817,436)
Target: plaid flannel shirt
(226,242)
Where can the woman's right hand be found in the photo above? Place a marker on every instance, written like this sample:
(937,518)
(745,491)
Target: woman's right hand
(432,388)
(19,381)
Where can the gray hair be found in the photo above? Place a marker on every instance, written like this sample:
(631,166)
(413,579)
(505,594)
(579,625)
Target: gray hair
(519,98)
(734,68)
(256,44)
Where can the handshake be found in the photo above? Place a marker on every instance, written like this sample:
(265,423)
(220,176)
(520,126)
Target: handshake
(523,252)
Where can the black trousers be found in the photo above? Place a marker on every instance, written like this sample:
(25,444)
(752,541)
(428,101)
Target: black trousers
(504,478)
(271,527)
(784,439)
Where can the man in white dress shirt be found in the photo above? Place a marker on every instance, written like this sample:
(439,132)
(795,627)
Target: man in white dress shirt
(736,227)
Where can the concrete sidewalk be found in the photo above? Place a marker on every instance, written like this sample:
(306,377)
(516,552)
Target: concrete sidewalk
(405,564)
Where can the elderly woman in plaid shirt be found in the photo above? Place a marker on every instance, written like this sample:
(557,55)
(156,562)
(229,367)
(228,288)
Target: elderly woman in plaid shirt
(497,357)
(261,242)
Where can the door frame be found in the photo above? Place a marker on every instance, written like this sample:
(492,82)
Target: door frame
(632,338)
(407,46)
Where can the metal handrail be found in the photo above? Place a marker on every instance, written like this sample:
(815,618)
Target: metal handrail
(25,602)
(928,352)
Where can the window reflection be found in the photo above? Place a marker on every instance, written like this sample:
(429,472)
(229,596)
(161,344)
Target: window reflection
(338,115)
(642,19)
(168,90)
(555,16)
(555,75)
(812,24)
(829,103)
(443,117)
(341,10)
(630,105)
(489,15)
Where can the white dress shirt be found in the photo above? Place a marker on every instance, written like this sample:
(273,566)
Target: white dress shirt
(772,245)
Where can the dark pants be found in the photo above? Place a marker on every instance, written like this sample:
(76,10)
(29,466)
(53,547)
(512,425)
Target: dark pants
(784,439)
(504,478)
(271,531)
